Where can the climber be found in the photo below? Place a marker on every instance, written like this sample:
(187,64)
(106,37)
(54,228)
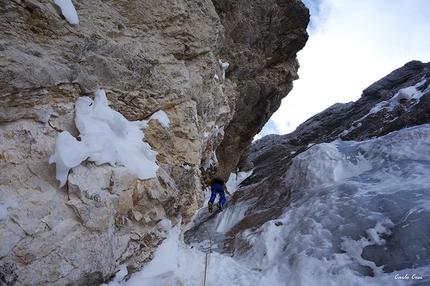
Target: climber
(217,186)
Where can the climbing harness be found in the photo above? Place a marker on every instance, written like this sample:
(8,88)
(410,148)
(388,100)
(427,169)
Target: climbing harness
(210,246)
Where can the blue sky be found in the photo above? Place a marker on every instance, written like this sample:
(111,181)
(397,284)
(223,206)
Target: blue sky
(314,7)
(352,43)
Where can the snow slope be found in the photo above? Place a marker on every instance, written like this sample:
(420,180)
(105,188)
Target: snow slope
(359,216)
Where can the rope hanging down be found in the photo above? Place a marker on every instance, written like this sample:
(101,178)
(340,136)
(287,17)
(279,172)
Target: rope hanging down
(210,246)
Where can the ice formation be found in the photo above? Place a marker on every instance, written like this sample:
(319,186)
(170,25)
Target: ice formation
(105,137)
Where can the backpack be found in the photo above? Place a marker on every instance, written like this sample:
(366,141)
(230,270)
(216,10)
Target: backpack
(215,181)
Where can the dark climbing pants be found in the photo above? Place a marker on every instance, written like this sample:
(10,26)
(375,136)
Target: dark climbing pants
(221,194)
(217,189)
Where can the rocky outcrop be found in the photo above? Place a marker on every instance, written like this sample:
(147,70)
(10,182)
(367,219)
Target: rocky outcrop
(148,56)
(397,101)
(385,106)
(262,39)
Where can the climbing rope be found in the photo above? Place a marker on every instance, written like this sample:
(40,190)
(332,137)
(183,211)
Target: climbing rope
(210,246)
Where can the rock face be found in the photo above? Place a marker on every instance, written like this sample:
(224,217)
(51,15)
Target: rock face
(147,56)
(399,100)
(262,38)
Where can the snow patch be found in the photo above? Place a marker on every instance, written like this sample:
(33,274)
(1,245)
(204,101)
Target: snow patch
(411,94)
(175,263)
(8,203)
(224,66)
(235,180)
(218,130)
(68,10)
(185,166)
(161,116)
(229,218)
(105,137)
(119,277)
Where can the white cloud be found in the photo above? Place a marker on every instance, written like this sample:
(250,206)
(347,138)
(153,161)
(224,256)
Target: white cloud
(271,127)
(351,45)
